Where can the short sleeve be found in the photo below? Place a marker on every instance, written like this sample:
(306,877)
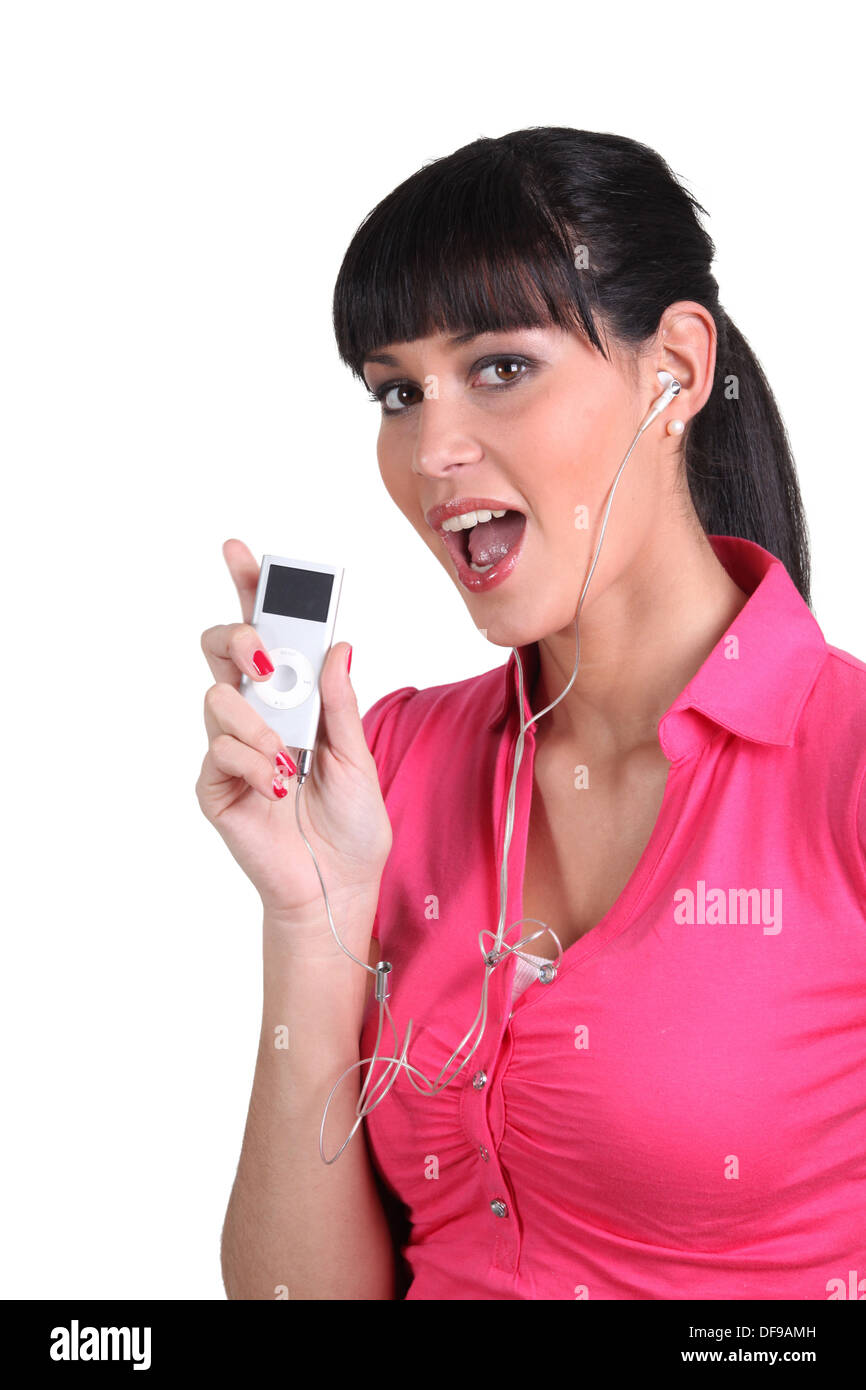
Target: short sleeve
(380,725)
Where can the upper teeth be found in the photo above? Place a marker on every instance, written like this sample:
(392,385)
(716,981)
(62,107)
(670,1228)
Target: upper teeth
(467,519)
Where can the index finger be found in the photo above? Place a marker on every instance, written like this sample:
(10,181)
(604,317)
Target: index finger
(231,649)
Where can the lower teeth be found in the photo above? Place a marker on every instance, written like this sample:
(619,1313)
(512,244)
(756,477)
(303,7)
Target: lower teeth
(480,569)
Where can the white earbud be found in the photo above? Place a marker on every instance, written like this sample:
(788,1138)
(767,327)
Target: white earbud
(672,389)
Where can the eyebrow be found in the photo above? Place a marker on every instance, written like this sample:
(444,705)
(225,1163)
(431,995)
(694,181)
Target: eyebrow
(456,340)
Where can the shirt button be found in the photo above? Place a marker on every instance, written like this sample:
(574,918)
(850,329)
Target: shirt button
(479,1080)
(483,1152)
(498,1207)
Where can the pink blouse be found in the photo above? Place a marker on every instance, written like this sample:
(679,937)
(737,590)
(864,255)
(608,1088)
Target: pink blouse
(681,1112)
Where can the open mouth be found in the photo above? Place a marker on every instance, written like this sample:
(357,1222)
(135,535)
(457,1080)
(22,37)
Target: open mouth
(480,548)
(487,552)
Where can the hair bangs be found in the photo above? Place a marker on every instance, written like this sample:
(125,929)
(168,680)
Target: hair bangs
(465,246)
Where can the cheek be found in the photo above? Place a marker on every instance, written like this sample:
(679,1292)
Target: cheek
(400,486)
(574,453)
(568,451)
(394,477)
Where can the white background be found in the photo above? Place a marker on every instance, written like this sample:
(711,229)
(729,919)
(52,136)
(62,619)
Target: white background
(179,184)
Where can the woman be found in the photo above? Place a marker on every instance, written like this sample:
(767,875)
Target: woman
(668,1099)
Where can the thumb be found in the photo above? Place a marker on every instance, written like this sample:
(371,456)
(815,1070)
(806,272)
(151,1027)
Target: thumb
(340,714)
(244,569)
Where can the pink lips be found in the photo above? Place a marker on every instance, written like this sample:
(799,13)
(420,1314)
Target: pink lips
(469,578)
(458,505)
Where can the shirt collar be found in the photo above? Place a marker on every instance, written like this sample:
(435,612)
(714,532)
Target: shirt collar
(755,681)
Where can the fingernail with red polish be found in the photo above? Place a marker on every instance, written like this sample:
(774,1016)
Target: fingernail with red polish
(284,768)
(262,664)
(349,660)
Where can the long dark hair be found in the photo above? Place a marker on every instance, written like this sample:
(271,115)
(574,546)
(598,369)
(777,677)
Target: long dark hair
(551,225)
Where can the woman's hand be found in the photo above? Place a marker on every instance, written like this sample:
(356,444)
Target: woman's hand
(342,811)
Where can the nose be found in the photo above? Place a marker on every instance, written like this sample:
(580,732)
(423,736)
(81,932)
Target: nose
(443,442)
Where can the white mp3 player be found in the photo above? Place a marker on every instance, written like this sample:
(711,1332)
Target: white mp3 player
(294,614)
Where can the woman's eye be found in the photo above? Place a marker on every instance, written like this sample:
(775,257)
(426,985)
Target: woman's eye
(392,396)
(396,395)
(509,362)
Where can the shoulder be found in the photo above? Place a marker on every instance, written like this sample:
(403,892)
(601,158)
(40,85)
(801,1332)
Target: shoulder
(843,666)
(839,696)
(409,718)
(842,694)
(833,696)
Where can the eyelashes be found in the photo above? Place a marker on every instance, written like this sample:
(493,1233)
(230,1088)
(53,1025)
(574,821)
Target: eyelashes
(378,395)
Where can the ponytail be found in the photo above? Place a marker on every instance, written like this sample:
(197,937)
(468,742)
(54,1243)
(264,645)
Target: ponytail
(739,464)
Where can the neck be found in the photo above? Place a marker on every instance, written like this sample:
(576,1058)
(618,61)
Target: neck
(641,642)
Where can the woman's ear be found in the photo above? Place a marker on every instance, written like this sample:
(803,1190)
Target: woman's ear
(687,349)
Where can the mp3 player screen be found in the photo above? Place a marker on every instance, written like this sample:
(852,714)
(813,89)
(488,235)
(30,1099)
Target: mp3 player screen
(296,593)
